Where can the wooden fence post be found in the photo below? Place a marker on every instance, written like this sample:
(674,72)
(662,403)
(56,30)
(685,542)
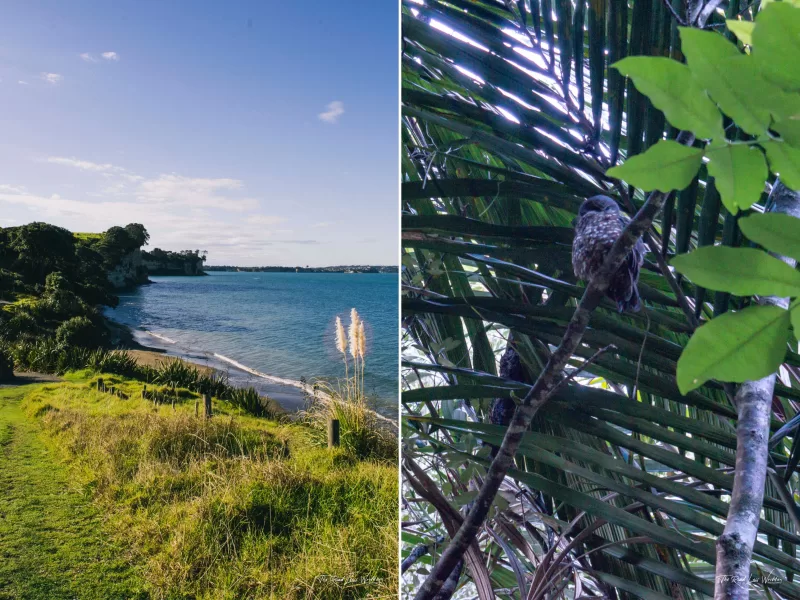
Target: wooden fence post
(207,402)
(111,390)
(100,385)
(333,433)
(144,392)
(197,408)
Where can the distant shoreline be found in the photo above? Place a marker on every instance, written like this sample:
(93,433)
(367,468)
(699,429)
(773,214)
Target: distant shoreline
(361,269)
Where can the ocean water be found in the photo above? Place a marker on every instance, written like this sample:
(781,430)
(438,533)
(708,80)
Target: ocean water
(271,330)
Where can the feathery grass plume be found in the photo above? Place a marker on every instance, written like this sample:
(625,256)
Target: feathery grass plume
(353,339)
(341,342)
(353,332)
(362,350)
(362,340)
(341,339)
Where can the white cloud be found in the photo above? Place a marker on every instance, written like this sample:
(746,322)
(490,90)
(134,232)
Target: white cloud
(173,226)
(170,188)
(13,189)
(324,224)
(21,82)
(196,192)
(110,55)
(52,78)
(265,220)
(88,57)
(83,165)
(334,110)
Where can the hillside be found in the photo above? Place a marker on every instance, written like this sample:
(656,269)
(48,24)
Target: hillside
(151,501)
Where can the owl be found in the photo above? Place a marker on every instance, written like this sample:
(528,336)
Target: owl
(502,409)
(599,224)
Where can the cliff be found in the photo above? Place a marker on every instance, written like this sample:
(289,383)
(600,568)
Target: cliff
(165,262)
(130,271)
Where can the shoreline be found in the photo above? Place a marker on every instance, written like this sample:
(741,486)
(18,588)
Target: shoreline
(293,396)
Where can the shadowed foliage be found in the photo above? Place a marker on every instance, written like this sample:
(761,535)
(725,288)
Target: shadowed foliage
(511,117)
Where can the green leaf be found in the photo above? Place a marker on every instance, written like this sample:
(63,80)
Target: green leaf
(731,78)
(466,497)
(735,347)
(671,89)
(742,29)
(776,44)
(774,231)
(740,271)
(666,166)
(789,130)
(794,313)
(739,171)
(784,160)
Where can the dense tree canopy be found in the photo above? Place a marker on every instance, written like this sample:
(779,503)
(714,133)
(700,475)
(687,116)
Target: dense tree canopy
(57,281)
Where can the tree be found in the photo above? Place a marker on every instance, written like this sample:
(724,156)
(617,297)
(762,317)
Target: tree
(37,249)
(138,234)
(510,119)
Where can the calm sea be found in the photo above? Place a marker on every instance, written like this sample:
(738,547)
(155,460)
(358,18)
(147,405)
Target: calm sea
(263,328)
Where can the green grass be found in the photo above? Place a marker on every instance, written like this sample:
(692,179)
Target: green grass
(234,507)
(54,544)
(88,237)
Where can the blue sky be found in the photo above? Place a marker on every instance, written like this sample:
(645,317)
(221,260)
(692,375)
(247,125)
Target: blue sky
(264,132)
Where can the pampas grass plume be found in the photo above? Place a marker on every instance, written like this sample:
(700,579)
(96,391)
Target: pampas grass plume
(362,340)
(353,332)
(341,338)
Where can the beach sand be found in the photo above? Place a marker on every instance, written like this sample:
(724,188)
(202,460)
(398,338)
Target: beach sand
(292,396)
(150,349)
(151,358)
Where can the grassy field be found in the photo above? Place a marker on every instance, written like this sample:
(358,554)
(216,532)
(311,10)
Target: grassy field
(109,498)
(53,542)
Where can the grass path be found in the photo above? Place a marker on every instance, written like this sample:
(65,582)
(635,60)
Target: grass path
(52,543)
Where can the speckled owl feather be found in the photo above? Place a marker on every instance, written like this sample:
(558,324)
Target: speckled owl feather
(600,224)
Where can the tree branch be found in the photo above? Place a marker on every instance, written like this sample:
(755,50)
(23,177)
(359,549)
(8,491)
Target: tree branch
(679,19)
(418,552)
(542,390)
(706,12)
(754,405)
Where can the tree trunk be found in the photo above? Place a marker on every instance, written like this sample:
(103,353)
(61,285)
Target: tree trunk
(754,406)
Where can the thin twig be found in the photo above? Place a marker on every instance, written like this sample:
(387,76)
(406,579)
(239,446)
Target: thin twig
(673,283)
(585,364)
(681,21)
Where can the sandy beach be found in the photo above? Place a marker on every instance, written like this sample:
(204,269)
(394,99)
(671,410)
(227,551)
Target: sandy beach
(149,349)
